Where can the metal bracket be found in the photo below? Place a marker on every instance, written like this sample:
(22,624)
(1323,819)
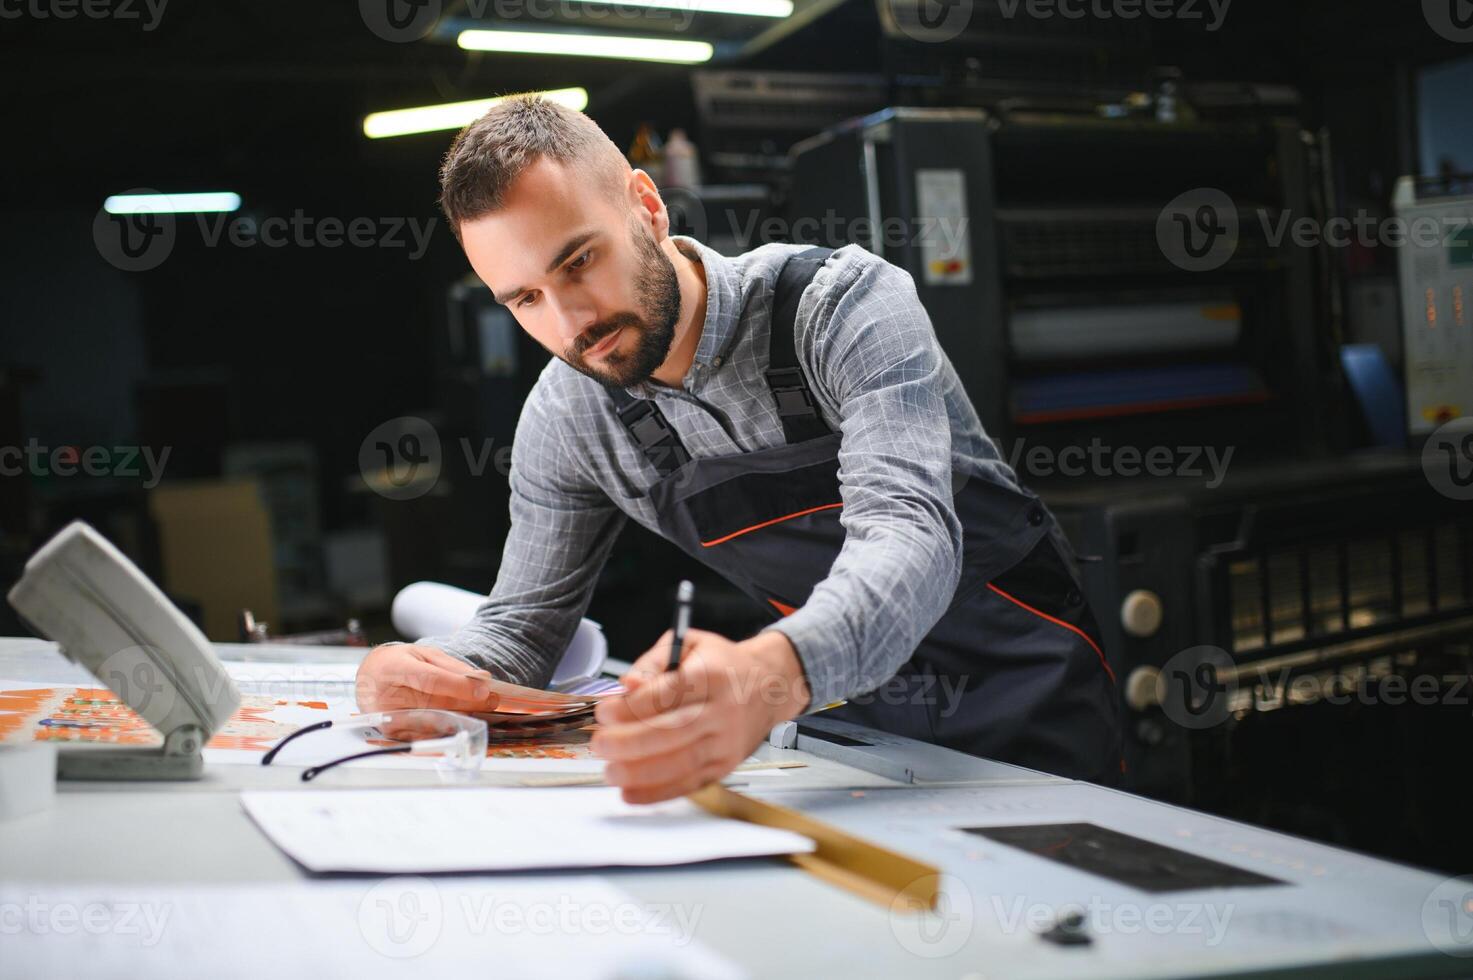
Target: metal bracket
(180,757)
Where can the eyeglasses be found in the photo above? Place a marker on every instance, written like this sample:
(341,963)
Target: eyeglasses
(457,742)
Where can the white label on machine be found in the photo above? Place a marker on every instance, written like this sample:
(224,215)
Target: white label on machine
(944,232)
(1437,288)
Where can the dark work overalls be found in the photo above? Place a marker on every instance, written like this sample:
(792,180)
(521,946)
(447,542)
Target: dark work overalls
(1014,670)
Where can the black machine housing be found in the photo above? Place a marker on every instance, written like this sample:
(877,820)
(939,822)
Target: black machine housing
(1303,571)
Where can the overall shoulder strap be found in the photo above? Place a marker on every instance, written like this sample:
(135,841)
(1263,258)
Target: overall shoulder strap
(796,406)
(646,425)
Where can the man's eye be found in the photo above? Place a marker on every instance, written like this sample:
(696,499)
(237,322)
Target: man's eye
(581,260)
(527,300)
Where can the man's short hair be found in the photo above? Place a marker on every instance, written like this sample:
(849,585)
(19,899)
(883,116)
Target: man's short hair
(490,153)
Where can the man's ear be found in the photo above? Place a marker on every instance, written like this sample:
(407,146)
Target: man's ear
(649,206)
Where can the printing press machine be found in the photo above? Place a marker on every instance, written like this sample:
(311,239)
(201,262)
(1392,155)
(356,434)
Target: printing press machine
(1282,602)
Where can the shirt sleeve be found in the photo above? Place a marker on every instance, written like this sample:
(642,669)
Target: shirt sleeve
(876,364)
(562,527)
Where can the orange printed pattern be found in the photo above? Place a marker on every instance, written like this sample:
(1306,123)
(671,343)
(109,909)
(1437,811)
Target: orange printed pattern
(528,750)
(79,714)
(93,714)
(90,714)
(18,708)
(568,745)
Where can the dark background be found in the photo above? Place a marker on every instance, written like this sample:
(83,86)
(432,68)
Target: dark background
(266,99)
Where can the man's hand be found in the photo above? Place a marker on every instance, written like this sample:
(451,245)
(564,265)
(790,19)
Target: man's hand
(402,675)
(674,732)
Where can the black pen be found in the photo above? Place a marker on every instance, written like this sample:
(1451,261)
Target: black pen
(683,596)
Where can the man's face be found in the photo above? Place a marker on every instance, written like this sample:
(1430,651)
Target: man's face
(580,271)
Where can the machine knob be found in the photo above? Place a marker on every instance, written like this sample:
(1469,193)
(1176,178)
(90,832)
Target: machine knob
(1140,613)
(1141,692)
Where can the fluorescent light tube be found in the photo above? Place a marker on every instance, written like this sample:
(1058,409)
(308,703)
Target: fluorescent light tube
(588,46)
(750,8)
(453,115)
(171,203)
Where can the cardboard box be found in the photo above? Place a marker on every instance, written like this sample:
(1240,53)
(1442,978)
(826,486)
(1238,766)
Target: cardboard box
(215,548)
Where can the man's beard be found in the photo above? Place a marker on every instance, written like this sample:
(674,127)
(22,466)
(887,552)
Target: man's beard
(658,292)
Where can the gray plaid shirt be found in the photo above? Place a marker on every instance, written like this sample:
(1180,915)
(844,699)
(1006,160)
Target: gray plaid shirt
(909,434)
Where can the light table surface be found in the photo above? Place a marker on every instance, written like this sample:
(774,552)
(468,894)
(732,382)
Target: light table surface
(1331,912)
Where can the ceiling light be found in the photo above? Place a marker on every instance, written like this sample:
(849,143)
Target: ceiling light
(171,203)
(588,46)
(750,8)
(453,115)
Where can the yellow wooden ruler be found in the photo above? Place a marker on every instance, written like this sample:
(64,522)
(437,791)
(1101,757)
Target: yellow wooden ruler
(877,873)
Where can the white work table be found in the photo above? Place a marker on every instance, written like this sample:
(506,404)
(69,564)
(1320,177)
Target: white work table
(1332,913)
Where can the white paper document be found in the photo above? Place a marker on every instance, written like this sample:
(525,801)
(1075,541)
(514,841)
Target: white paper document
(563,927)
(415,831)
(295,680)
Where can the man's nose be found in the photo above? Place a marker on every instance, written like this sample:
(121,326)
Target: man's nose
(574,316)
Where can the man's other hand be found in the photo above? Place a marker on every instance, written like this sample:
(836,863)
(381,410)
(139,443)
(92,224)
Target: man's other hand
(403,675)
